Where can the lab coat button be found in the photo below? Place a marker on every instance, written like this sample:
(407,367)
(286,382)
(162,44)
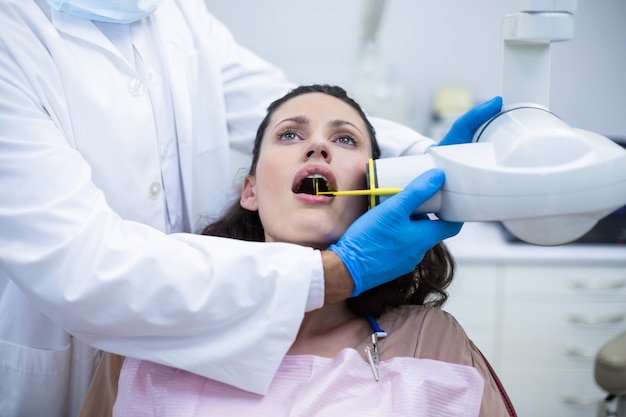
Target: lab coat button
(135,87)
(155,190)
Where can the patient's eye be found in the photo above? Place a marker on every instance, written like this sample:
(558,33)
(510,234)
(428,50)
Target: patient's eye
(288,135)
(348,140)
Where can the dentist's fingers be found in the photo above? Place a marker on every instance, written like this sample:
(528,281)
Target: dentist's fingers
(462,130)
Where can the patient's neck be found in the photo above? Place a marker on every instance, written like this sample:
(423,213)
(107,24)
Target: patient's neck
(326,331)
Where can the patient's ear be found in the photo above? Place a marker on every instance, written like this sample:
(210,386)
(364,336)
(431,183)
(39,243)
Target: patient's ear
(248,198)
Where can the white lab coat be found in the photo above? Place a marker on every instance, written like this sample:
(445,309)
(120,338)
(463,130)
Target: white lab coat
(82,247)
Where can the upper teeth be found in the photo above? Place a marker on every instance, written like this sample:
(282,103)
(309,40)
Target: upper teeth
(318,176)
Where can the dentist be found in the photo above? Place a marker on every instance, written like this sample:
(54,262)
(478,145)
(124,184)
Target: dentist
(116,122)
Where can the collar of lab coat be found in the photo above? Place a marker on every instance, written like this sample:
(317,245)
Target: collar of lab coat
(85,30)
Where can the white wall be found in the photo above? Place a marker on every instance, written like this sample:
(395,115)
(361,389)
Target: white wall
(429,44)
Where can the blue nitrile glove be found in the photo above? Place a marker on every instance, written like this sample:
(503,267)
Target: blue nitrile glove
(462,130)
(385,243)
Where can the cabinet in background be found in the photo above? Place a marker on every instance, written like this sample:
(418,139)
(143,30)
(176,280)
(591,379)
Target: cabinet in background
(540,317)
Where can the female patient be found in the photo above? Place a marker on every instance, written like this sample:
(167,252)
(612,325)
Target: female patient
(389,351)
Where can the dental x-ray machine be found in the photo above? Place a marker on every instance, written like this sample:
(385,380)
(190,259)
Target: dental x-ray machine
(547,182)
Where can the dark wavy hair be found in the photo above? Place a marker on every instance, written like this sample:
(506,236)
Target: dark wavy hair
(426,284)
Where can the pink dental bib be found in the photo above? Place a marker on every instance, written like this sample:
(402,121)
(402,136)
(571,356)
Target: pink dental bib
(307,385)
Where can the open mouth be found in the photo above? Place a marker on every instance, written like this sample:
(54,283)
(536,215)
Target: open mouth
(312,184)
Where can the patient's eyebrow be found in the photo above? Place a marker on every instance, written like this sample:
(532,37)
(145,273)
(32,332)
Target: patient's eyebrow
(301,120)
(339,123)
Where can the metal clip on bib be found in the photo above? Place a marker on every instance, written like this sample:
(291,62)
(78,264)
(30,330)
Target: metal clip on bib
(372,352)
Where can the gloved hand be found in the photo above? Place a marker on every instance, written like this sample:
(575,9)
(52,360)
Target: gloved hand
(385,243)
(462,130)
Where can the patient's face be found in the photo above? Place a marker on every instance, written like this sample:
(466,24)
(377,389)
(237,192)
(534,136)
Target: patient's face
(311,135)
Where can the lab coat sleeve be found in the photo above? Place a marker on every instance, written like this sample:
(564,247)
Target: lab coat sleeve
(248,83)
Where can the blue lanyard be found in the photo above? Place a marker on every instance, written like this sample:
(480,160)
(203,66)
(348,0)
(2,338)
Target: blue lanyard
(374,325)
(372,353)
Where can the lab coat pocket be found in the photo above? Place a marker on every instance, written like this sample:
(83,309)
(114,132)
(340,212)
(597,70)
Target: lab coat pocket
(34,381)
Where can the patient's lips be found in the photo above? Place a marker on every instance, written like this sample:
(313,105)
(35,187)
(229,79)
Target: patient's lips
(311,179)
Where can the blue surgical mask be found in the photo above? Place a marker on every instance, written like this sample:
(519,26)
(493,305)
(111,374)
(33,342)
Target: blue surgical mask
(112,11)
